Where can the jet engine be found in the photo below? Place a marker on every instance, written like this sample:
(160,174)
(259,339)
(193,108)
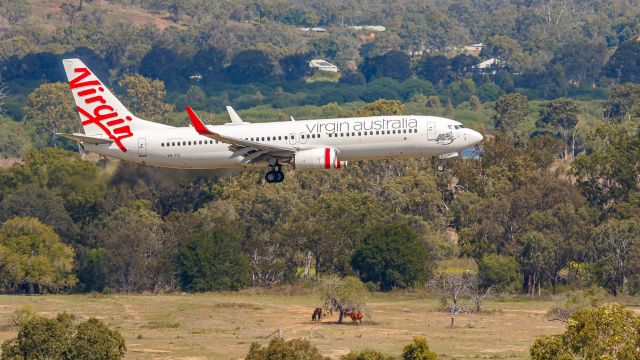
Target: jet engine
(320,158)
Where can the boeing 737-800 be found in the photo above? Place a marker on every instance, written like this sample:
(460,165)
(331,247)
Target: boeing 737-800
(112,130)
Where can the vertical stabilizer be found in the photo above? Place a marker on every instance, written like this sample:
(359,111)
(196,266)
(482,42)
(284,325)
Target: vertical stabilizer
(101,113)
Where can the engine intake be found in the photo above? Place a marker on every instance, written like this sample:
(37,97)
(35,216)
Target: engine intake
(321,158)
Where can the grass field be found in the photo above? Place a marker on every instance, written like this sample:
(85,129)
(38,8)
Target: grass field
(221,326)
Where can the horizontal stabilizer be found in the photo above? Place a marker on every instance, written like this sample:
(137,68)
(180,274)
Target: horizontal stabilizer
(96,140)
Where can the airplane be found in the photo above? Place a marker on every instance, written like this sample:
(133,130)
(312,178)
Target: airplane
(112,130)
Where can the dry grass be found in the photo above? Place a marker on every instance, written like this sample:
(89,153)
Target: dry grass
(221,326)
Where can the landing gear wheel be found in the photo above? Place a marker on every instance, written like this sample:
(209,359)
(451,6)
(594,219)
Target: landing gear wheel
(440,167)
(271,177)
(274,176)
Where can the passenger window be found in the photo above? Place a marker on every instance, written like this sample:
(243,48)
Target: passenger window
(353,134)
(285,138)
(377,132)
(279,137)
(293,137)
(162,144)
(318,136)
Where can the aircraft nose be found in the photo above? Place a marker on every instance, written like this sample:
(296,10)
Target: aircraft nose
(476,137)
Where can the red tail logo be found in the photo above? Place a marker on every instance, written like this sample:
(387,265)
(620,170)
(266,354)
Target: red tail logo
(103,115)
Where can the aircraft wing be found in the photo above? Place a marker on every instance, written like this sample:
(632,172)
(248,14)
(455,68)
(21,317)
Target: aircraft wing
(87,139)
(253,149)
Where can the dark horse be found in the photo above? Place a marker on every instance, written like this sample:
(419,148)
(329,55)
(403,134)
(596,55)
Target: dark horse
(317,315)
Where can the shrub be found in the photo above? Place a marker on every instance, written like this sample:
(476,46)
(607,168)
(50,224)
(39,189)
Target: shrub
(60,339)
(418,350)
(367,354)
(279,349)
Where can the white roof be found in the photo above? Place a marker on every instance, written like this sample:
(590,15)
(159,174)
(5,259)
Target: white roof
(488,63)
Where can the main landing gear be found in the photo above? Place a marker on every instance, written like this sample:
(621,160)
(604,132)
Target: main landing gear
(275,175)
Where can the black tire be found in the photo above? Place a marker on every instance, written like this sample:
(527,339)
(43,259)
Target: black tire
(280,176)
(271,177)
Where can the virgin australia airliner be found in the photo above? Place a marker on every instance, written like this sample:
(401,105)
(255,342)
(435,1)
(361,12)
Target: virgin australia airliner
(112,130)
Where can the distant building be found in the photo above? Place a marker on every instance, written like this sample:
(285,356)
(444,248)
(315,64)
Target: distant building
(489,66)
(323,65)
(374,28)
(473,47)
(315,29)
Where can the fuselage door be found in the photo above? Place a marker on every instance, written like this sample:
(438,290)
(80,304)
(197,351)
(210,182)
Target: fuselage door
(431,130)
(142,147)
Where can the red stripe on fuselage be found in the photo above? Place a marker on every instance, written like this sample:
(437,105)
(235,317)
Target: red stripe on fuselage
(327,158)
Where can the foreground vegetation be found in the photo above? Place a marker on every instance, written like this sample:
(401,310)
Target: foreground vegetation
(223,326)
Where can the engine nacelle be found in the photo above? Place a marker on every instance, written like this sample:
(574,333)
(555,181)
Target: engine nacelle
(321,158)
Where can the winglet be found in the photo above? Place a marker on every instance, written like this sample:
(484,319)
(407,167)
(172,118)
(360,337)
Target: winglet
(235,119)
(196,122)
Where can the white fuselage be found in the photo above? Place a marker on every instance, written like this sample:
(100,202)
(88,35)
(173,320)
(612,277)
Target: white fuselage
(366,138)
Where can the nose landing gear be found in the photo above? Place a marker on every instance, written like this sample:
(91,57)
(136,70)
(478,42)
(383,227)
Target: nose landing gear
(275,175)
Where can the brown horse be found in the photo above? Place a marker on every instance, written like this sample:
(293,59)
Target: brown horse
(317,315)
(355,316)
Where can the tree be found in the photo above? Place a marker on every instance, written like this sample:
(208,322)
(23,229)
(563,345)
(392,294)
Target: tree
(50,109)
(63,173)
(279,349)
(607,176)
(146,97)
(392,256)
(93,340)
(616,243)
(393,64)
(32,257)
(163,64)
(366,354)
(3,96)
(295,67)
(623,103)
(418,350)
(462,64)
(42,204)
(562,115)
(250,66)
(40,338)
(511,111)
(15,10)
(456,287)
(605,332)
(382,107)
(137,256)
(498,271)
(59,338)
(209,63)
(342,294)
(433,68)
(213,261)
(623,65)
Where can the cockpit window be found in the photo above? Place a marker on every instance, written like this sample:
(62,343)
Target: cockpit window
(457,127)
(461,126)
(450,127)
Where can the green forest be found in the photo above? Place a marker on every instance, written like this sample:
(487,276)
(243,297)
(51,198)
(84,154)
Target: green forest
(549,201)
